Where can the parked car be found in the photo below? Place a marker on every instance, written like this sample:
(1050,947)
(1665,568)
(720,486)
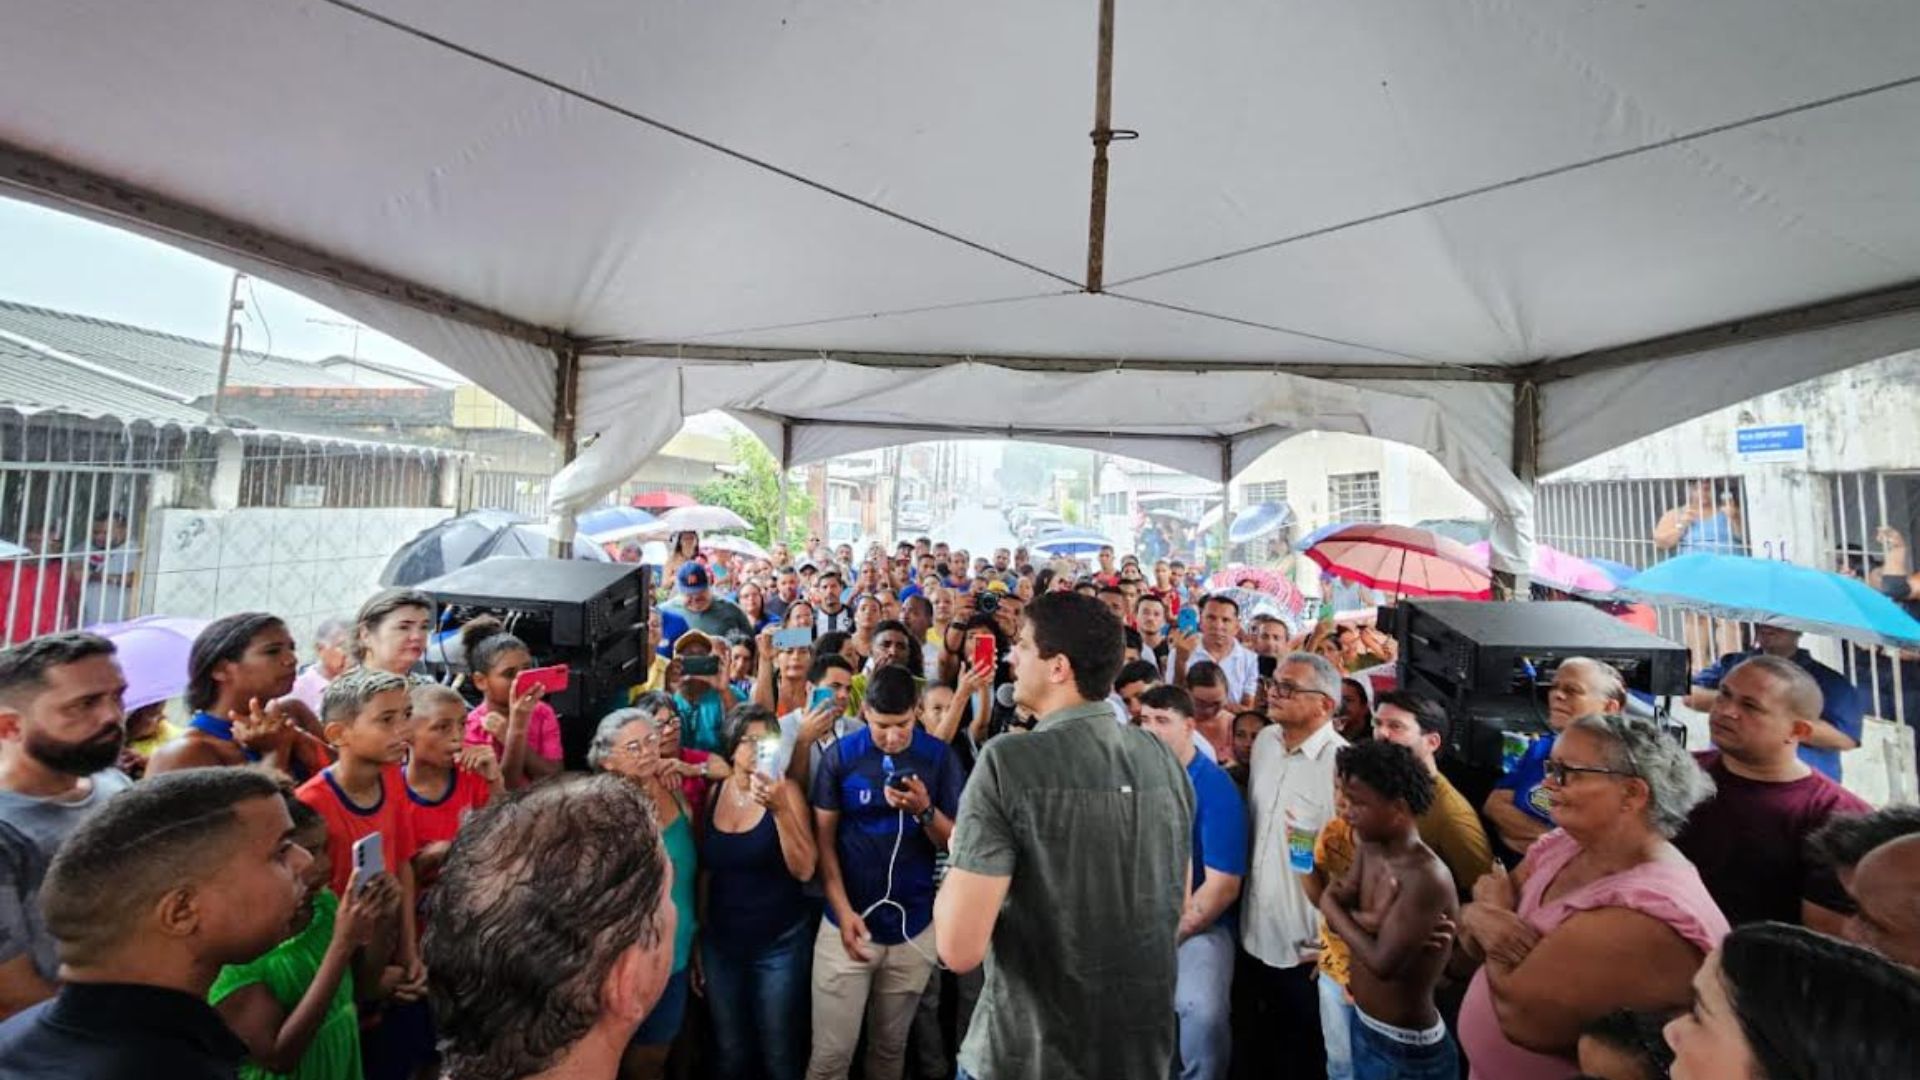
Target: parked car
(915,516)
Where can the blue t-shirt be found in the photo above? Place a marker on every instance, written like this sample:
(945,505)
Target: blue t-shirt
(1527,779)
(849,780)
(1219,823)
(1839,703)
(672,626)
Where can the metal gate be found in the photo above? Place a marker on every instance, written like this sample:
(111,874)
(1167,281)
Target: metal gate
(74,499)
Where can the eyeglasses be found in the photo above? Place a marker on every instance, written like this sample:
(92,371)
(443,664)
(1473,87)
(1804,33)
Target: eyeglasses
(1287,690)
(1558,771)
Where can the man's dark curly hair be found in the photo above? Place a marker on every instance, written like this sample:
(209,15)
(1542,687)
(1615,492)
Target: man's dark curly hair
(541,894)
(1846,838)
(1391,770)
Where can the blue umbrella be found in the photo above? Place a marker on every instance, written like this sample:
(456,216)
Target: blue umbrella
(611,523)
(1071,542)
(1618,571)
(1780,593)
(1257,521)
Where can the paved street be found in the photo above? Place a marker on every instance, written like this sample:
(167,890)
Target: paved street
(976,529)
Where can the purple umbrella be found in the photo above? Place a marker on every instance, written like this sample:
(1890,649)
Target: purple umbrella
(152,651)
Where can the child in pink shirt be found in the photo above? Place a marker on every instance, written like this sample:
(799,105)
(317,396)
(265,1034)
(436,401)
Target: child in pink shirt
(523,731)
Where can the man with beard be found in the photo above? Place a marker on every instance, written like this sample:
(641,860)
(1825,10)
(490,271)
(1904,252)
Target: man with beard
(61,730)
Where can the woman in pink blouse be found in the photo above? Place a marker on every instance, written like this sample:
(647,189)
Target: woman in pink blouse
(1603,914)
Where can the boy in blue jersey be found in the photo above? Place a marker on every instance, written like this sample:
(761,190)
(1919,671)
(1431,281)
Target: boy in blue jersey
(884,798)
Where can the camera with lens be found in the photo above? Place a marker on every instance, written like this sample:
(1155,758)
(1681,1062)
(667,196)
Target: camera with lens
(987,603)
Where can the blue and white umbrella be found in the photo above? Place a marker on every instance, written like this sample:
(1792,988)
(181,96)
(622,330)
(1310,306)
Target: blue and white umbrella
(1768,591)
(1072,542)
(611,524)
(1257,521)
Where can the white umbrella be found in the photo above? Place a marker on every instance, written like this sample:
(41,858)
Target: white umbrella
(738,545)
(700,519)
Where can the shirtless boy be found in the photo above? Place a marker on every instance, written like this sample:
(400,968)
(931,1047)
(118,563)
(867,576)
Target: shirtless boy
(1387,909)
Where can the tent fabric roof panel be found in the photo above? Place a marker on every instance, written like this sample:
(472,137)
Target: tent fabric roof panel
(1476,184)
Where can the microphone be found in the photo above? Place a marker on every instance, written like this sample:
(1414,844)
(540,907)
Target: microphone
(1003,695)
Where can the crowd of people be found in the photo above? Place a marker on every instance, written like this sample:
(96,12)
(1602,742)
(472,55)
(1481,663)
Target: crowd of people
(924,814)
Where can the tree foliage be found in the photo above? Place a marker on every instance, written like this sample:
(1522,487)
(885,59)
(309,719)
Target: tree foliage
(753,492)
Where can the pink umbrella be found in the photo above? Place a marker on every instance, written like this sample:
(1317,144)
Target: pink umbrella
(1401,559)
(1271,582)
(152,651)
(1556,569)
(662,500)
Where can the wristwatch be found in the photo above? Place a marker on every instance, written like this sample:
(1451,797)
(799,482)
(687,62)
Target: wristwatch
(925,817)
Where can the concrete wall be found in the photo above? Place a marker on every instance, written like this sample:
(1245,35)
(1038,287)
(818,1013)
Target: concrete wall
(1413,486)
(302,565)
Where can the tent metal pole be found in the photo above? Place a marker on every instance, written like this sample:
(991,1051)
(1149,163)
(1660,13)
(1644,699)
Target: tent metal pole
(1526,466)
(1103,135)
(1226,482)
(566,410)
(786,457)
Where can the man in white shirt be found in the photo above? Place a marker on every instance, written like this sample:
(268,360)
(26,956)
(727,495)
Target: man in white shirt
(1220,643)
(1290,796)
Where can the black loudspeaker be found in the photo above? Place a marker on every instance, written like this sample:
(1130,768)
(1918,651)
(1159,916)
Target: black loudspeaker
(591,616)
(1491,663)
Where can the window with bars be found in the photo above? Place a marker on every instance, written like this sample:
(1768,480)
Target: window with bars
(1354,496)
(1266,491)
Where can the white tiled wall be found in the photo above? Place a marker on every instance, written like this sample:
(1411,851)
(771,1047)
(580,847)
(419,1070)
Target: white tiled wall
(302,565)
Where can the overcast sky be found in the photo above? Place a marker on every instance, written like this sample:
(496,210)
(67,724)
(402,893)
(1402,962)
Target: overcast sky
(51,259)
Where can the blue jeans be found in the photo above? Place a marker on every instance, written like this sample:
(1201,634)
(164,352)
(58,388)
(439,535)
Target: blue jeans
(1201,997)
(758,1005)
(1377,1056)
(1336,1027)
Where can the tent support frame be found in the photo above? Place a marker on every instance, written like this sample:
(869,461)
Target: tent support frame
(1525,461)
(1068,364)
(566,432)
(49,182)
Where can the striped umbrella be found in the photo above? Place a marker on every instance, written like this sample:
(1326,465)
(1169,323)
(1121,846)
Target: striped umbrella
(1401,559)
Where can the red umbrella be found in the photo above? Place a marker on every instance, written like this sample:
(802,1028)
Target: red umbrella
(662,500)
(1400,559)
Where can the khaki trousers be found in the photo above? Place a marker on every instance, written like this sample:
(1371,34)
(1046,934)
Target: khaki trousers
(885,990)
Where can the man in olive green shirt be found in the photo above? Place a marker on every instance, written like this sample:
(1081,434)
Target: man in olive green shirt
(1449,827)
(1070,858)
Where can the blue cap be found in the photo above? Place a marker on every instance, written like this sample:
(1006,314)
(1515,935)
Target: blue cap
(693,577)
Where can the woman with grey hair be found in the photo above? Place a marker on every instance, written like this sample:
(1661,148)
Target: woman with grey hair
(1604,913)
(331,641)
(627,744)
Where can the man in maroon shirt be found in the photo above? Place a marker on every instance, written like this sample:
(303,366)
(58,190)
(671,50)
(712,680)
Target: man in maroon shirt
(1749,840)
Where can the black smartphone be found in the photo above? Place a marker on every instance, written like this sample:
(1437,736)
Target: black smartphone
(701,665)
(1269,665)
(898,781)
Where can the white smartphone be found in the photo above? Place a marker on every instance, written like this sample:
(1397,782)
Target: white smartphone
(765,753)
(369,857)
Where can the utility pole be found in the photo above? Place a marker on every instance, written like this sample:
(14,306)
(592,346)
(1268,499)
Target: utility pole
(226,345)
(338,325)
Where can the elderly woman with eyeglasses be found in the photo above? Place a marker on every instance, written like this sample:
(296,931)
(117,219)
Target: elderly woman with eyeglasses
(1604,913)
(628,744)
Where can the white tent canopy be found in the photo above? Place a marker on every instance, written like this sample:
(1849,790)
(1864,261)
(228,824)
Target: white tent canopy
(1513,234)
